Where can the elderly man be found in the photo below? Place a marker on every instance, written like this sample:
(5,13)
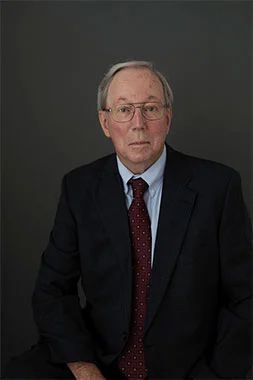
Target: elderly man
(162,244)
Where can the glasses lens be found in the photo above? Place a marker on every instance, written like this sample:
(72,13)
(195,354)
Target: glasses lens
(123,112)
(152,111)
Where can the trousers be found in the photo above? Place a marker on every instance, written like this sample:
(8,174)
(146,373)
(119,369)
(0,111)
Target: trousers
(36,364)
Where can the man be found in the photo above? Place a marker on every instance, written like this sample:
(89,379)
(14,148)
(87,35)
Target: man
(162,243)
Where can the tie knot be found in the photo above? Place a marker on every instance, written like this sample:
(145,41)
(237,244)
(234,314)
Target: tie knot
(139,187)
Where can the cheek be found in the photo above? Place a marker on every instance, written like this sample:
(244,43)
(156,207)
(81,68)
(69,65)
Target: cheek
(159,134)
(118,136)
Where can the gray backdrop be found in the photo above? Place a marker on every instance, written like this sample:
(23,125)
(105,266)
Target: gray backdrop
(53,57)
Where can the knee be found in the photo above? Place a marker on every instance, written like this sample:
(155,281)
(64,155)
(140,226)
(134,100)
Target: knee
(19,367)
(36,364)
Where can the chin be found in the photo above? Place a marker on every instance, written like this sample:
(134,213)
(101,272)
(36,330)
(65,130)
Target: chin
(140,158)
(141,153)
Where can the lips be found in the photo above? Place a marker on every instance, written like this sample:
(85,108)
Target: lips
(139,143)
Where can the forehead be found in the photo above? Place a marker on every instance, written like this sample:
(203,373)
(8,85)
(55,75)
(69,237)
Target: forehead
(134,85)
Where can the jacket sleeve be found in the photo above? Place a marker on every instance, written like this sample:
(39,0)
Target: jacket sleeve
(231,356)
(56,306)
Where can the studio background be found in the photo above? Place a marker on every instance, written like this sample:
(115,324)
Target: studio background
(54,55)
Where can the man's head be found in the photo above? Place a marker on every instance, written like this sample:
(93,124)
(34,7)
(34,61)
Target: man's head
(134,106)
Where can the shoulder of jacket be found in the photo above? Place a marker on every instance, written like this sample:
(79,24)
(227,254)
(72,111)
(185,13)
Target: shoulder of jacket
(89,170)
(205,167)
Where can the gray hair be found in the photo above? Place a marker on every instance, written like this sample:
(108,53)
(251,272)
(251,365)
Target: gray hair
(105,83)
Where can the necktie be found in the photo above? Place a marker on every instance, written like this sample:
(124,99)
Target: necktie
(132,361)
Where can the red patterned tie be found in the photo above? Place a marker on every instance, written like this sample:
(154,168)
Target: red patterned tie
(132,361)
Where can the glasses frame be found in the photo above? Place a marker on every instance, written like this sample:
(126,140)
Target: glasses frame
(109,110)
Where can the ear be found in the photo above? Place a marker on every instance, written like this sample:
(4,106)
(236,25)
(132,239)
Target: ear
(169,118)
(103,119)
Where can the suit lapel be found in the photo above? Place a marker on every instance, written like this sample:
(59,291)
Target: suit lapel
(176,206)
(113,210)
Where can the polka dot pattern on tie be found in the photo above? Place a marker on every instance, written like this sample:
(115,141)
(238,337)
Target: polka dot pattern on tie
(132,360)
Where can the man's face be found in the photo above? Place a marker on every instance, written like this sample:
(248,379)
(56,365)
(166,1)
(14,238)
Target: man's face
(138,142)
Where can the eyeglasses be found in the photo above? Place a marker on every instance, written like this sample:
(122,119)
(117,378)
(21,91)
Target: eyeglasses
(125,112)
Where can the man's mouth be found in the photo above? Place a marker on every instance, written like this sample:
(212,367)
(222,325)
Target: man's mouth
(139,143)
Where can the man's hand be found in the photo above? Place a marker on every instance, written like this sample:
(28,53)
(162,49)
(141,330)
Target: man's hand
(85,371)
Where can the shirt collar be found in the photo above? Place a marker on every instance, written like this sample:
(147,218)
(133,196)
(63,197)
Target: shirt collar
(153,175)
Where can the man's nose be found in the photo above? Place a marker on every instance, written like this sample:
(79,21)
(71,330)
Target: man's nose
(138,120)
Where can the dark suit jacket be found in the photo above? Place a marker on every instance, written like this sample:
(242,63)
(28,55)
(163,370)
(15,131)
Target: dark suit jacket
(198,316)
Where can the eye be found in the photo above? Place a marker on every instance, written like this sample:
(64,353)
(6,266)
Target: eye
(151,108)
(124,109)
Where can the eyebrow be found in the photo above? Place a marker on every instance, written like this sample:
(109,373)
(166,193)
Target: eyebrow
(150,97)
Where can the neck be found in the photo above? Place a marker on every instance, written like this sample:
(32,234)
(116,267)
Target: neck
(140,167)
